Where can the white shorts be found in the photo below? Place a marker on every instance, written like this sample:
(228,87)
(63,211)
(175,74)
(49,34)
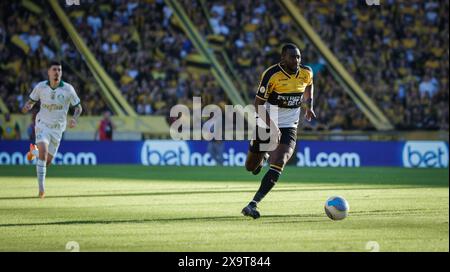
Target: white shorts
(50,136)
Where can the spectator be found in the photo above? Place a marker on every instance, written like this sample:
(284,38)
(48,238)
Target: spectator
(9,129)
(105,128)
(428,86)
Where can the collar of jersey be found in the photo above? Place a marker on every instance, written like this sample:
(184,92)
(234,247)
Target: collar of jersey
(61,83)
(287,74)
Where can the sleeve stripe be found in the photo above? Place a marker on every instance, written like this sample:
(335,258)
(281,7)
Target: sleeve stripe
(267,75)
(33,100)
(77,104)
(262,98)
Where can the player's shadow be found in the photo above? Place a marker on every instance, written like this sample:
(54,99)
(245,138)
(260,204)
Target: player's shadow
(250,190)
(265,219)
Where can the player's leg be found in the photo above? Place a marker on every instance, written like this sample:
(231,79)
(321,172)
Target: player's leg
(255,157)
(53,148)
(41,166)
(49,159)
(255,161)
(278,159)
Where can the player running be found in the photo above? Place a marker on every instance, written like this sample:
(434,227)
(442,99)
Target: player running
(55,96)
(284,87)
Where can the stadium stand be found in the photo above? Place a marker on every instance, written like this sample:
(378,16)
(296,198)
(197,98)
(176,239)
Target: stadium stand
(29,42)
(407,40)
(144,50)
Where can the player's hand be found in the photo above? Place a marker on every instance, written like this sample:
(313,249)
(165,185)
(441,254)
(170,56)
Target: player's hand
(27,108)
(72,122)
(310,114)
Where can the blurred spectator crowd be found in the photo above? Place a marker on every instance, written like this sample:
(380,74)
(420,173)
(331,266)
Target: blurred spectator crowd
(397,52)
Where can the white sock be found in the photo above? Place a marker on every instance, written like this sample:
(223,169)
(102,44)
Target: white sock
(35,152)
(41,170)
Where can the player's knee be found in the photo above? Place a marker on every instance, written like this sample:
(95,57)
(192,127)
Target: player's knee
(250,165)
(286,157)
(43,156)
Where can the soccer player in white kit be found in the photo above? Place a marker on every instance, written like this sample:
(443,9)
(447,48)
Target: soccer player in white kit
(55,96)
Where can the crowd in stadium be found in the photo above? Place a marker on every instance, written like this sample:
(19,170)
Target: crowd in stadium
(28,44)
(399,54)
(145,53)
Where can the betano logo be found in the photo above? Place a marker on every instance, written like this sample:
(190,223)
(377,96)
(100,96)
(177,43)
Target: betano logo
(422,154)
(167,152)
(323,159)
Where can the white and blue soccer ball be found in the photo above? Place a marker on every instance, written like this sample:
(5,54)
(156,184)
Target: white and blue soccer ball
(336,208)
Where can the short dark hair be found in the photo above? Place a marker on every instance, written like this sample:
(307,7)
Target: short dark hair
(287,47)
(54,62)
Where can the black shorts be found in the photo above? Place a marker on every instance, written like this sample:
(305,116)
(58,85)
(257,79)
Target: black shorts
(288,137)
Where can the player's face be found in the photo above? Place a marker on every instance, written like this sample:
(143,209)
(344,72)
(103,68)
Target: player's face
(292,59)
(55,73)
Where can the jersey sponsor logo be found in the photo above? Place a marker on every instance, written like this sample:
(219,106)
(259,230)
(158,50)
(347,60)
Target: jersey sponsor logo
(289,100)
(52,107)
(423,154)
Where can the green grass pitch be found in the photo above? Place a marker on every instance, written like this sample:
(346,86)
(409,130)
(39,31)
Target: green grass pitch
(137,208)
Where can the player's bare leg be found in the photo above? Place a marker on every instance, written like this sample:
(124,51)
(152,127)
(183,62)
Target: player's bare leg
(278,159)
(255,161)
(41,167)
(49,159)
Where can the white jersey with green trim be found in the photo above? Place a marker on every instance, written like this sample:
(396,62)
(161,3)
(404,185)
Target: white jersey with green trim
(55,103)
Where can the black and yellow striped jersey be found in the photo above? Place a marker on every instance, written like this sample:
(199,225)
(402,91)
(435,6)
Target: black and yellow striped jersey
(277,87)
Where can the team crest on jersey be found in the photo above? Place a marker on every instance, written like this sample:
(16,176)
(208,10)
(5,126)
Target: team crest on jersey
(60,98)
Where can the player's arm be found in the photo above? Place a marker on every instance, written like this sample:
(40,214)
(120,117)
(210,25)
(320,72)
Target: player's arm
(262,95)
(28,106)
(308,100)
(32,100)
(76,113)
(263,114)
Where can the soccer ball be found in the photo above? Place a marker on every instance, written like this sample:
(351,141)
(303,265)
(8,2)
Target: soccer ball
(336,208)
